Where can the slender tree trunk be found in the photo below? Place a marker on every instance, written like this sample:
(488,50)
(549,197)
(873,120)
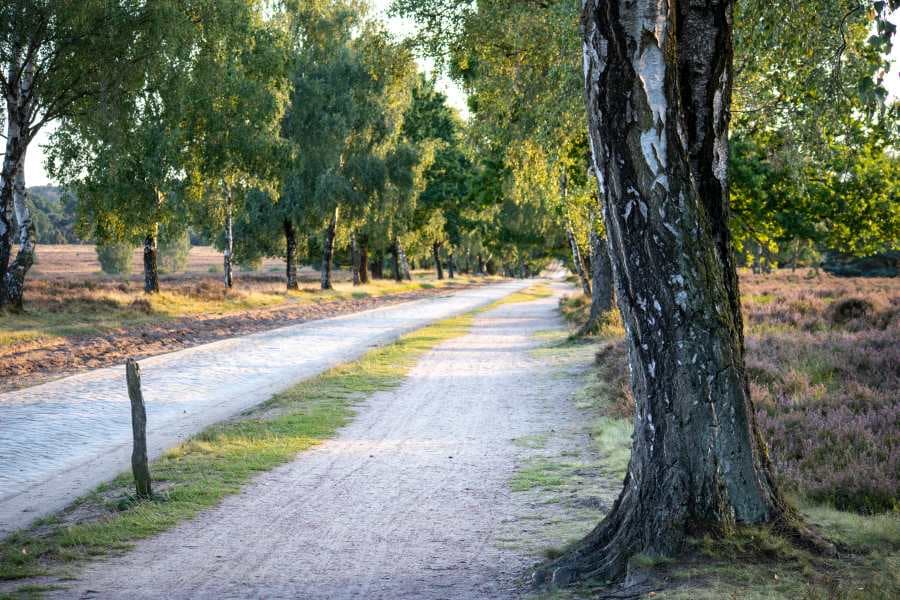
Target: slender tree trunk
(290,256)
(378,265)
(15,274)
(328,252)
(10,172)
(480,265)
(151,255)
(578,261)
(601,284)
(395,260)
(451,265)
(658,102)
(229,247)
(364,259)
(436,251)
(405,272)
(11,177)
(354,260)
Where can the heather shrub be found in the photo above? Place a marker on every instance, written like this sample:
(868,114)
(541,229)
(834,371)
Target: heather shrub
(848,309)
(823,360)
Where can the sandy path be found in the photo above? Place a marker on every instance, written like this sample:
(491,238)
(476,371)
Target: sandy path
(407,502)
(59,440)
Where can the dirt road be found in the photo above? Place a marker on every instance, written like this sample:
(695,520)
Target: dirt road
(59,440)
(409,501)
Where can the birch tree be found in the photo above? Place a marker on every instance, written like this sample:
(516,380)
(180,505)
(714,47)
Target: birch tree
(240,83)
(349,95)
(658,112)
(57,59)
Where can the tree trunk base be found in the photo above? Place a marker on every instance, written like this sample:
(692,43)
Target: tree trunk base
(605,555)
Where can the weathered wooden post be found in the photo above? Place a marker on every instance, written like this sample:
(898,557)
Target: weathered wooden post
(139,465)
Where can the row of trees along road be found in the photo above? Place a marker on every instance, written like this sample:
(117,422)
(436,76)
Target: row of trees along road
(274,129)
(786,99)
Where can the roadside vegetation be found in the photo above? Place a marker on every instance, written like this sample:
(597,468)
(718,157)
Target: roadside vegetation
(61,308)
(821,356)
(217,462)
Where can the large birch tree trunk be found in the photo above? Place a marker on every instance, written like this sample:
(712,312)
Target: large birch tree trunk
(328,252)
(15,274)
(658,101)
(151,270)
(290,256)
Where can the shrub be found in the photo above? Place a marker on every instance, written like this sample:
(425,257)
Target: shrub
(115,258)
(174,248)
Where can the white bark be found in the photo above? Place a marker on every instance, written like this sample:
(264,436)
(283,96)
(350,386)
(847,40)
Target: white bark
(229,245)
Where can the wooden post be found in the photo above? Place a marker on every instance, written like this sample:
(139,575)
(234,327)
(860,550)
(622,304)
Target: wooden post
(139,465)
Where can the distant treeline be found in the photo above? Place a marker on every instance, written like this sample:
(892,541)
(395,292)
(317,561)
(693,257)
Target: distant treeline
(53,212)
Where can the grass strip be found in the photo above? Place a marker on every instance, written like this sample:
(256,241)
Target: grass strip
(217,462)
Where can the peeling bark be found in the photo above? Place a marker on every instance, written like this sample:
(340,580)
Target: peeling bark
(290,256)
(15,274)
(658,85)
(12,277)
(436,251)
(328,252)
(151,271)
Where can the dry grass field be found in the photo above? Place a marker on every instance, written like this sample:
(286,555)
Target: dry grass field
(79,261)
(78,318)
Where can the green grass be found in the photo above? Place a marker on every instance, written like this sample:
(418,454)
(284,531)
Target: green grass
(529,294)
(541,473)
(29,592)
